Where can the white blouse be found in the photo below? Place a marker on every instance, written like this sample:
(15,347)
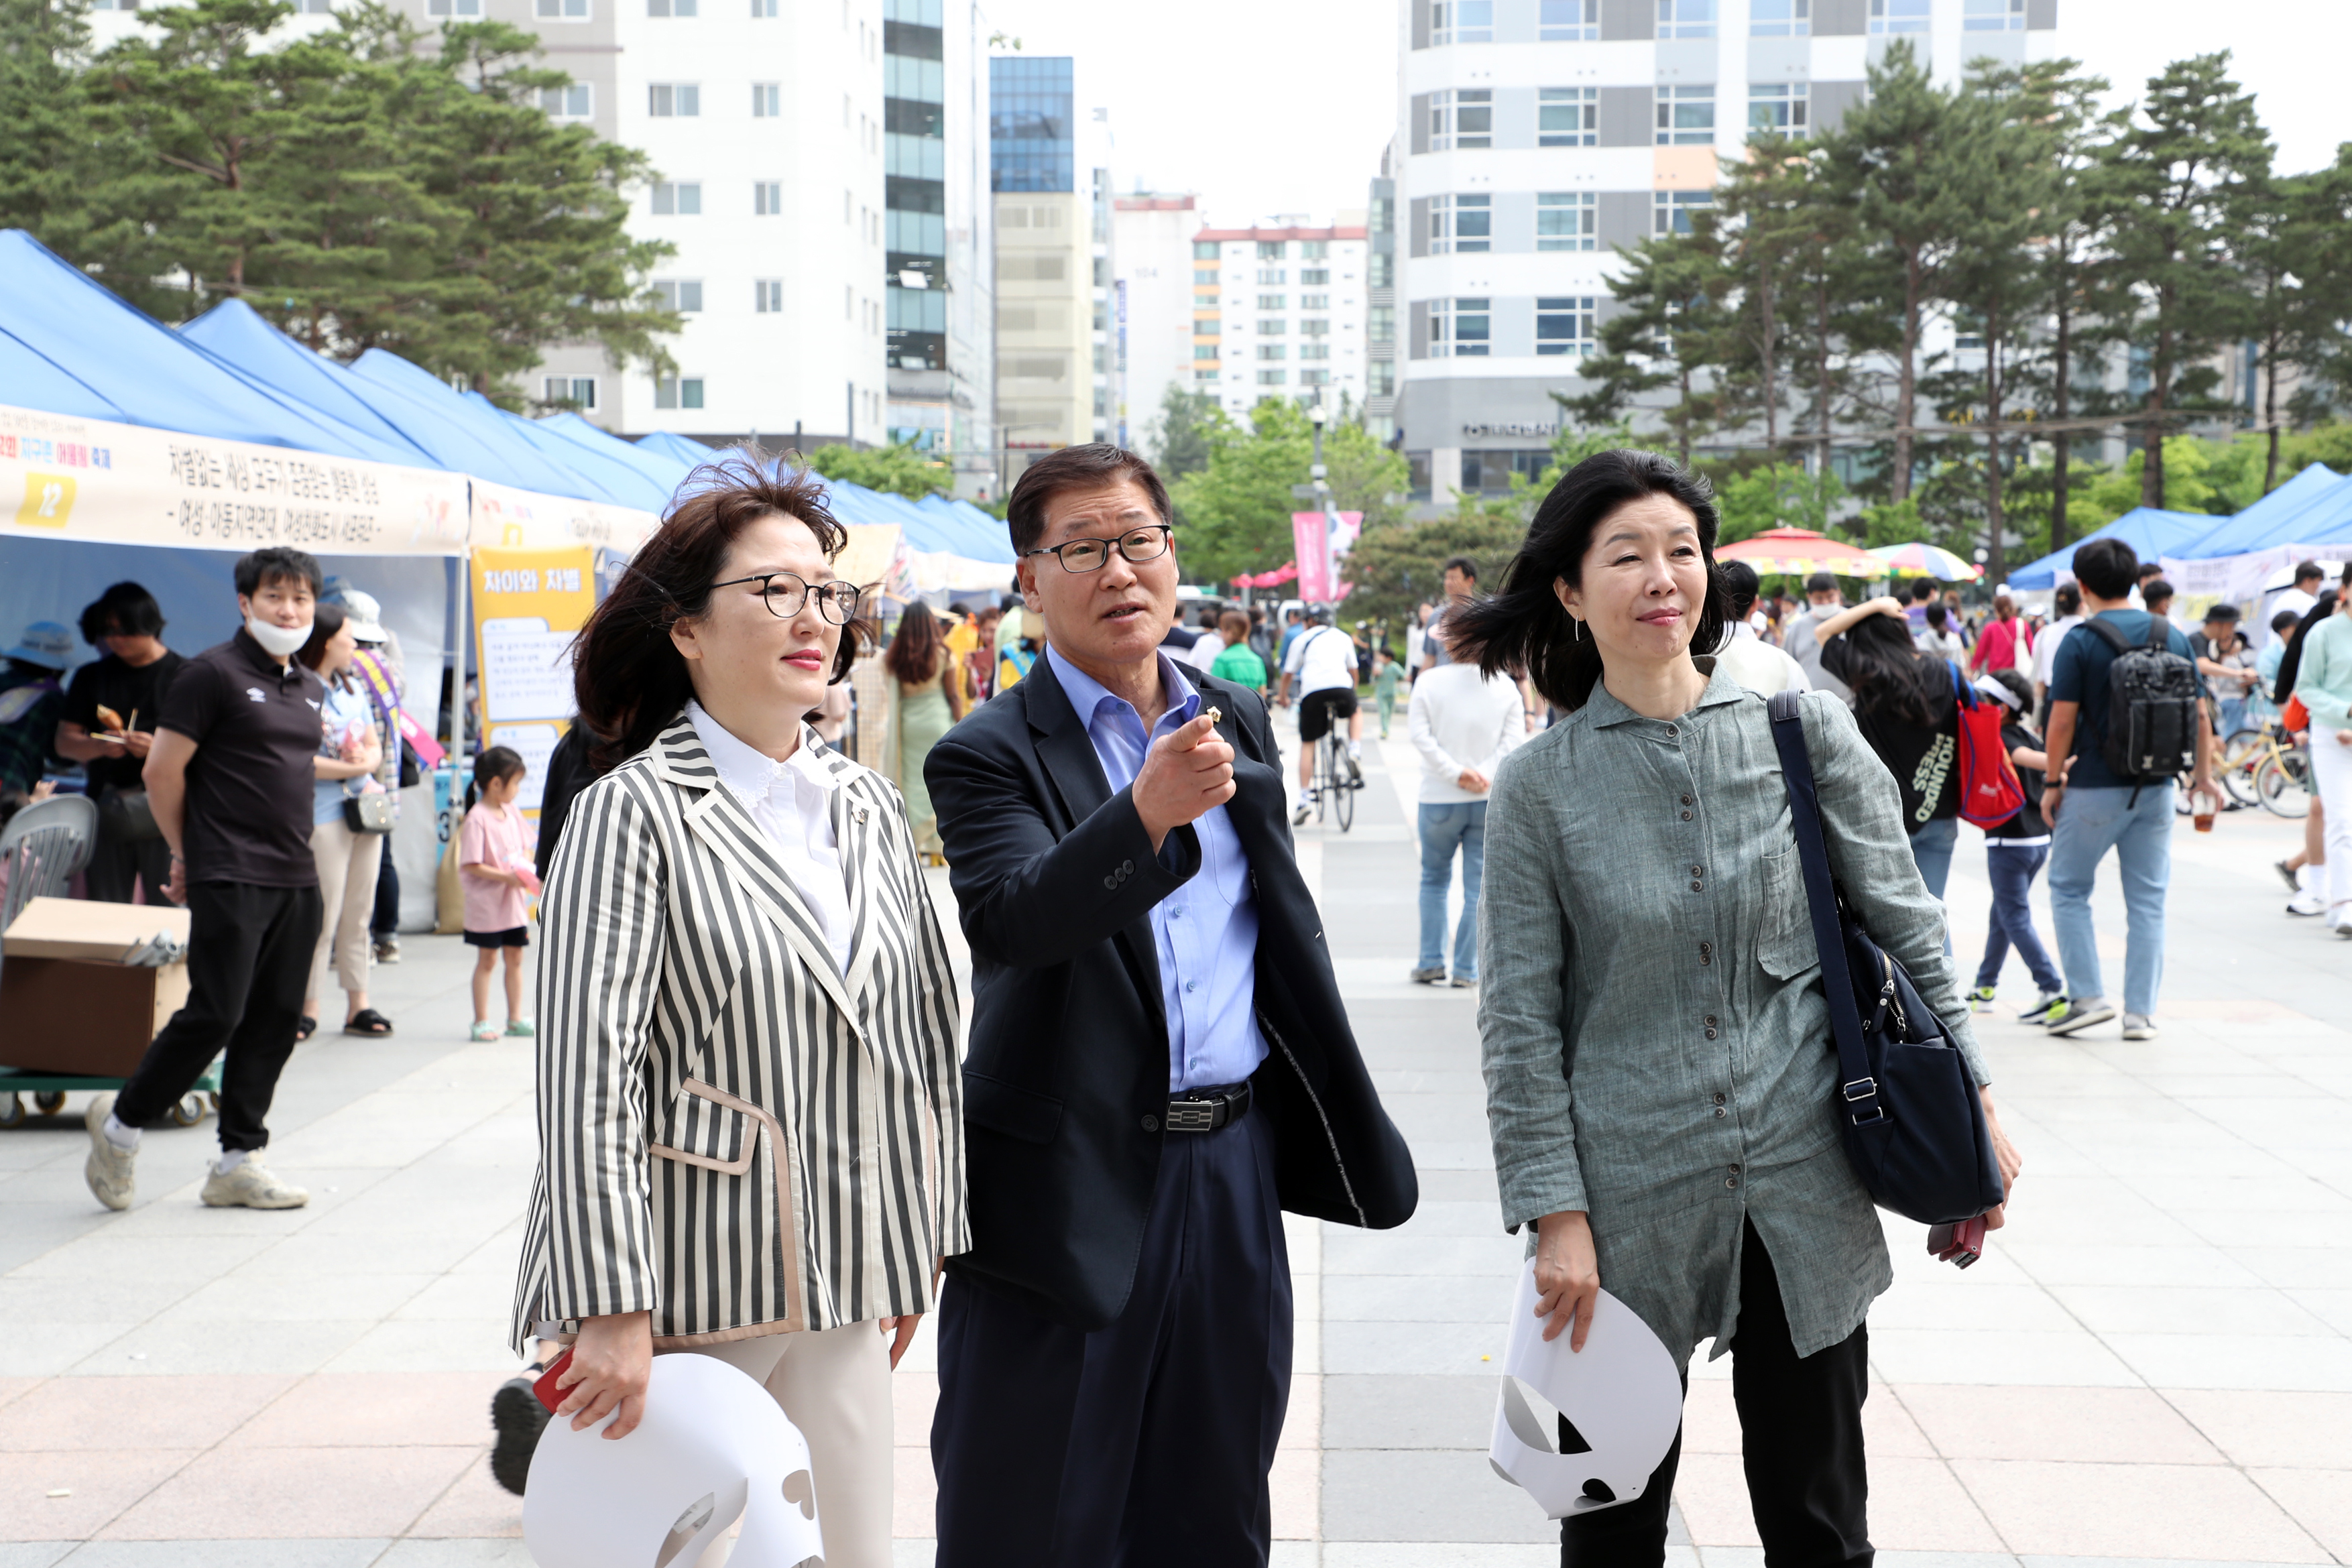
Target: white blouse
(791,802)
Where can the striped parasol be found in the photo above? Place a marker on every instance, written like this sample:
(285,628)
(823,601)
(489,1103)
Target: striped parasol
(1920,559)
(1799,552)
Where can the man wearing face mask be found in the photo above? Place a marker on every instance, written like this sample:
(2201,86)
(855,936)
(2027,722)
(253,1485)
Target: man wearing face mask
(229,778)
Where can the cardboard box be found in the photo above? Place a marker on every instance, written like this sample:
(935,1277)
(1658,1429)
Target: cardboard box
(66,1005)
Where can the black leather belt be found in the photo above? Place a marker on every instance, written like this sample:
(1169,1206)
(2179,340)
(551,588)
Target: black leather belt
(1198,1111)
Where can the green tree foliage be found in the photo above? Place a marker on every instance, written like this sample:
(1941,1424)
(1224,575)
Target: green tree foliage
(1179,434)
(1778,495)
(1236,510)
(363,186)
(898,469)
(1667,332)
(1396,566)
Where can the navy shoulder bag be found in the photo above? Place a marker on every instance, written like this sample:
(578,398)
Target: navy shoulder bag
(1905,1102)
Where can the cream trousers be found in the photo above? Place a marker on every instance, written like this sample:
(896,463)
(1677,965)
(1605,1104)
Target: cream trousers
(349,864)
(835,1385)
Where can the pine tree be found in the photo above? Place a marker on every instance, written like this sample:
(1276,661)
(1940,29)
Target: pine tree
(1666,333)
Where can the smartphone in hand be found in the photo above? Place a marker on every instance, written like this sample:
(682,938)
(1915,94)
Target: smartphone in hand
(1959,1244)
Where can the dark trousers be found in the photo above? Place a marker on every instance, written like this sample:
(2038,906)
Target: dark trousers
(2012,873)
(1146,1443)
(115,863)
(249,964)
(385,921)
(1800,1441)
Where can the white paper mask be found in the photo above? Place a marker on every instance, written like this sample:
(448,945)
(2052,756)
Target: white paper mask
(1621,1393)
(712,1446)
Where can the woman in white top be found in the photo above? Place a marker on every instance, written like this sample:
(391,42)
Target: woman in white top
(750,1102)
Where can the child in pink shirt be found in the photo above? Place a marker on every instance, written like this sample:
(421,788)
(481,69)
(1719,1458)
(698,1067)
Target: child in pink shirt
(494,863)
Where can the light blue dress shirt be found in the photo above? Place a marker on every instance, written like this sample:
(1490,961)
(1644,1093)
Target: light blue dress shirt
(1206,931)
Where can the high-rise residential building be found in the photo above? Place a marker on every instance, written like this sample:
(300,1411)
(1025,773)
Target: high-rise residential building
(1152,313)
(938,221)
(764,120)
(1536,137)
(1289,313)
(1045,333)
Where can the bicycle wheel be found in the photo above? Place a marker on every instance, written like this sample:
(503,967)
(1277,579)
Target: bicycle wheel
(2283,787)
(1345,787)
(2241,754)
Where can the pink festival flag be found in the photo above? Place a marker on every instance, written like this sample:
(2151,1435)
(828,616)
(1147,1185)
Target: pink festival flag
(1322,540)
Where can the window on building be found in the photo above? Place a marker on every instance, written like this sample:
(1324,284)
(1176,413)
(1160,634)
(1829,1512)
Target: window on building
(1567,220)
(1379,324)
(680,100)
(1462,22)
(1314,351)
(1315,327)
(1204,250)
(1274,275)
(768,296)
(1779,106)
(1274,350)
(762,9)
(1315,302)
(1687,115)
(767,101)
(1315,277)
(1273,302)
(557,11)
(683,201)
(572,100)
(1458,329)
(1380,379)
(767,198)
(670,391)
(1314,250)
(1672,211)
(1461,223)
(1568,21)
(1462,118)
(1780,18)
(1566,326)
(1567,116)
(1382,273)
(1992,16)
(1201,275)
(1272,249)
(1273,328)
(1272,378)
(1687,18)
(671,7)
(1314,378)
(682,294)
(1205,351)
(1899,15)
(579,391)
(453,7)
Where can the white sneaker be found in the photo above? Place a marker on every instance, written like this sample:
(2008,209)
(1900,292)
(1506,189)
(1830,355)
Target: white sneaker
(2307,903)
(251,1185)
(2343,930)
(111,1170)
(1306,810)
(2139,1026)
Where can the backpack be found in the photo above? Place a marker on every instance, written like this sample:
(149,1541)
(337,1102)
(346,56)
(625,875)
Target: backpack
(2151,733)
(1991,791)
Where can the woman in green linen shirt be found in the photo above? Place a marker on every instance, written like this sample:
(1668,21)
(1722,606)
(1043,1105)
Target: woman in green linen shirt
(2323,679)
(1656,1044)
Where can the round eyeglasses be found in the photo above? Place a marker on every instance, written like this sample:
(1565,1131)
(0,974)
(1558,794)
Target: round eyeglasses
(1147,543)
(785,592)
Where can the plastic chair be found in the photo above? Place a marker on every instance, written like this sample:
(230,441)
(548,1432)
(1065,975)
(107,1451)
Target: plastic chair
(43,846)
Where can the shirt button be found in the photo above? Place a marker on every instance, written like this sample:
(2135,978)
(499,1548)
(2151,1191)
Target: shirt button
(1733,1169)
(1672,731)
(1720,1113)
(1151,1123)
(1718,1099)
(1710,1020)
(1687,816)
(1731,1181)
(1710,1034)
(1697,888)
(1699,871)
(1688,801)
(1191,986)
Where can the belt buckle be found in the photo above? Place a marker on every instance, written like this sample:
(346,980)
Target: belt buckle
(1191,1115)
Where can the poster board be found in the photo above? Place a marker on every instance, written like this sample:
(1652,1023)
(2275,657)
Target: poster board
(529,604)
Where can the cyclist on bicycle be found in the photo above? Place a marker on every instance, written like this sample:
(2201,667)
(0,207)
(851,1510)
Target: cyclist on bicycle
(1322,664)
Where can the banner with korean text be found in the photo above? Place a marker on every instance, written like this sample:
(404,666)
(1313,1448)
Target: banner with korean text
(529,605)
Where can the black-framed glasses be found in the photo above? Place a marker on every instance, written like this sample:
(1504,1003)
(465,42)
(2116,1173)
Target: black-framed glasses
(786,591)
(1147,543)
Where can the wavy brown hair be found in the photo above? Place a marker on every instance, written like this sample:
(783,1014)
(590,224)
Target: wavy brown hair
(628,678)
(916,652)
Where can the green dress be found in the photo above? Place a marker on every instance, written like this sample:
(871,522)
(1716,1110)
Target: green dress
(923,716)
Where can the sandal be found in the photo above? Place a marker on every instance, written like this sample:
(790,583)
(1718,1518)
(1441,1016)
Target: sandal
(305,1029)
(369,1022)
(483,1031)
(521,1029)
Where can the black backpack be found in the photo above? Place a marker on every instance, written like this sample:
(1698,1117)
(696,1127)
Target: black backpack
(2152,721)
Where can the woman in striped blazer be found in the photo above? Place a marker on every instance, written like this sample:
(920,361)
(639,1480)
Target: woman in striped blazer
(749,1104)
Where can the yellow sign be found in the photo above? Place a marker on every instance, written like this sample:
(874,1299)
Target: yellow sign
(48,501)
(528,607)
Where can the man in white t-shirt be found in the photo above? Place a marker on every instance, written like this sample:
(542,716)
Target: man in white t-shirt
(2066,606)
(1321,667)
(2300,597)
(1743,655)
(1464,723)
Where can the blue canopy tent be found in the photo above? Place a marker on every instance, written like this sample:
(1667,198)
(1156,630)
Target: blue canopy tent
(505,457)
(2149,532)
(980,537)
(685,449)
(611,479)
(667,471)
(2318,497)
(150,374)
(28,380)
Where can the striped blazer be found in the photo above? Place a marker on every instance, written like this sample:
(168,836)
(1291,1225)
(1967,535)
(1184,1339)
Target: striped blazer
(733,1134)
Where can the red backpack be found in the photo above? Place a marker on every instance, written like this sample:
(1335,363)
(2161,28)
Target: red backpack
(1991,791)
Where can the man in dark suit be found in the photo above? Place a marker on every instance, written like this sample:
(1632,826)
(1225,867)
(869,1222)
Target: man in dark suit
(1159,1065)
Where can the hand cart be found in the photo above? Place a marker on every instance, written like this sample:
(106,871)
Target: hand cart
(46,1093)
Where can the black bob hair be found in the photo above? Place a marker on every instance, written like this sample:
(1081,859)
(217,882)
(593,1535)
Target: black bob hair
(1524,626)
(124,609)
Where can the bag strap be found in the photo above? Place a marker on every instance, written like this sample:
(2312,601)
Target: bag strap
(1857,1089)
(2110,633)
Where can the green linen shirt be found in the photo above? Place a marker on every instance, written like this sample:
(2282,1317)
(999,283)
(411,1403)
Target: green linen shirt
(1656,1042)
(2324,679)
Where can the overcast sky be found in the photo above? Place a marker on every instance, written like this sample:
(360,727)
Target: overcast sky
(1278,106)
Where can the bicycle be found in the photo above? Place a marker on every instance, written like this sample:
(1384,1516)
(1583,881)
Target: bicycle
(1334,781)
(2265,768)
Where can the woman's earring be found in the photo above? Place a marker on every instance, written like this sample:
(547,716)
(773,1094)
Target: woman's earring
(1578,623)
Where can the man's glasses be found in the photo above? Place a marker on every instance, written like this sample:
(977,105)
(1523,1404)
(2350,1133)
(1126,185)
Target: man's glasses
(1147,543)
(785,593)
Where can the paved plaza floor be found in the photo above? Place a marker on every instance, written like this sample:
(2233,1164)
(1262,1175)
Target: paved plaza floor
(2153,1363)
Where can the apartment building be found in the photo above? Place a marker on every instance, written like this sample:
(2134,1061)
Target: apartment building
(939,222)
(1151,311)
(1278,311)
(1538,137)
(1045,290)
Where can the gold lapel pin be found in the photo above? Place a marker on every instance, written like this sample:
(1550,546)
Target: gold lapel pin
(1216,716)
